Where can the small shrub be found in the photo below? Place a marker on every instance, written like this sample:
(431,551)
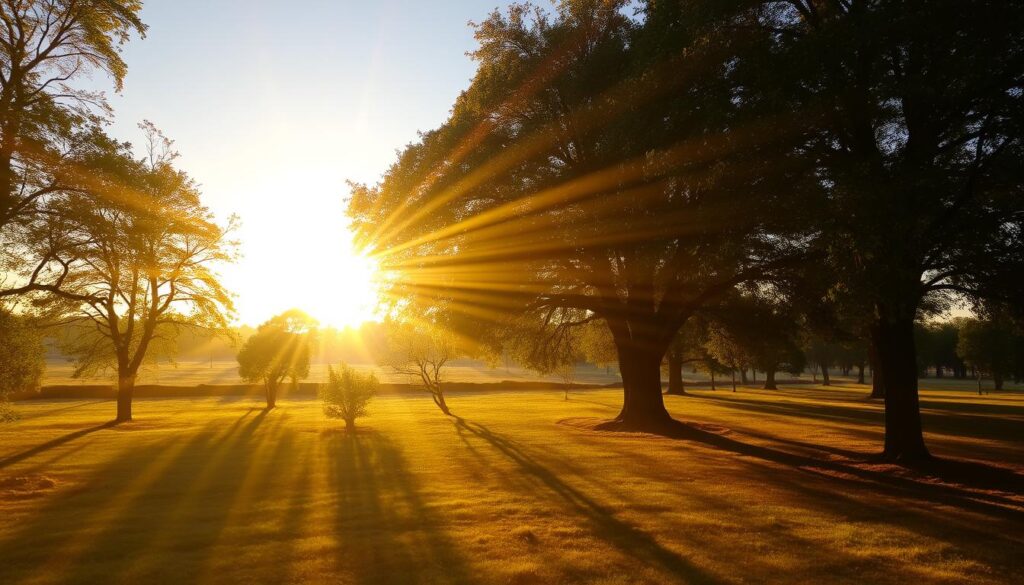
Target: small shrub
(347,394)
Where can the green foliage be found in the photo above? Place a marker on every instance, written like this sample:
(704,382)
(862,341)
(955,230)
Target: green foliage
(49,51)
(347,393)
(131,259)
(990,346)
(22,360)
(281,348)
(937,347)
(750,331)
(22,356)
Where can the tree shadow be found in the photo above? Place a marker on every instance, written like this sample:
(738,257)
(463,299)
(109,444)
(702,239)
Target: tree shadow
(28,453)
(623,536)
(995,489)
(387,533)
(964,425)
(52,411)
(119,524)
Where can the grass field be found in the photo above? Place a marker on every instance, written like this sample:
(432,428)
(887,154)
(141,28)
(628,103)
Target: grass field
(768,487)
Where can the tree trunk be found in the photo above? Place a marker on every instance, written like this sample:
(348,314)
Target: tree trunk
(125,391)
(860,373)
(642,404)
(713,380)
(893,335)
(769,380)
(350,424)
(997,381)
(825,380)
(438,395)
(877,379)
(753,374)
(675,375)
(733,371)
(743,376)
(271,395)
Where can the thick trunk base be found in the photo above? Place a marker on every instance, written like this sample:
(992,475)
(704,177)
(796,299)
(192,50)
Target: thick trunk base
(643,407)
(124,404)
(125,393)
(897,361)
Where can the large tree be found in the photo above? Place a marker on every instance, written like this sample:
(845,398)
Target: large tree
(46,48)
(131,260)
(592,171)
(912,113)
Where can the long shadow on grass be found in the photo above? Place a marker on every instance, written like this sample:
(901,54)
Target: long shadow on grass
(52,411)
(150,514)
(387,533)
(969,425)
(625,537)
(976,475)
(8,461)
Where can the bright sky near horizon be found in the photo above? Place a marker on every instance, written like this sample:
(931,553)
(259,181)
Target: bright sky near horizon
(274,107)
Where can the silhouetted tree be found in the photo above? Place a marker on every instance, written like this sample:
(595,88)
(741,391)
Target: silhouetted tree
(912,113)
(280,349)
(821,353)
(989,346)
(686,349)
(589,172)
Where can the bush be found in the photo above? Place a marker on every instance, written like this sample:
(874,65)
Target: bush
(347,393)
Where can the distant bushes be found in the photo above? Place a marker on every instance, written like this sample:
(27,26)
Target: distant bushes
(347,393)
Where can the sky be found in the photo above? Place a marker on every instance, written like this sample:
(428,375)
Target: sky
(274,105)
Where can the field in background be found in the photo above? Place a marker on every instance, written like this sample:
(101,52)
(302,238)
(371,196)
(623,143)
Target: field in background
(768,487)
(225,372)
(194,373)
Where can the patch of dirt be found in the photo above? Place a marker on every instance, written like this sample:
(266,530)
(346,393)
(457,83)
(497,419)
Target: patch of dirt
(25,487)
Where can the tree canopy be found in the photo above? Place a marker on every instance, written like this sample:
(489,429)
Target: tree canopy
(131,260)
(280,349)
(575,181)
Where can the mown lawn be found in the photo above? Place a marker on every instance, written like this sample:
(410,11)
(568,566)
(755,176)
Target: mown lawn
(768,487)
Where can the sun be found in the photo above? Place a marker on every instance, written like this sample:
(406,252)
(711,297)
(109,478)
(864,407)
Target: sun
(302,256)
(347,295)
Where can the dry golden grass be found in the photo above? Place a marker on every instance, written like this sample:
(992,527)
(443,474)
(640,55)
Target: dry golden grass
(767,487)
